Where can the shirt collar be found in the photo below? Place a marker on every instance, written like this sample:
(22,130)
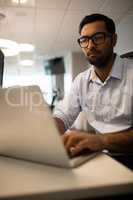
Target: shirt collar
(93,75)
(116,71)
(117,68)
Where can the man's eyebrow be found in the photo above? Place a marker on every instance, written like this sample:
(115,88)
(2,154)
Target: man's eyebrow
(94,34)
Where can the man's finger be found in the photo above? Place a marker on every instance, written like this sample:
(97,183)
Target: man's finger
(77,148)
(70,142)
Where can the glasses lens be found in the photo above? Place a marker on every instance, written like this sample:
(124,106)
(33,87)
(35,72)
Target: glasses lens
(83,41)
(98,38)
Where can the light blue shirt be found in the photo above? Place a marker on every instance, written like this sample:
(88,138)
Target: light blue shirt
(108,106)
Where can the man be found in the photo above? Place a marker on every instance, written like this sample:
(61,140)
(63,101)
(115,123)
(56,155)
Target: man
(104,93)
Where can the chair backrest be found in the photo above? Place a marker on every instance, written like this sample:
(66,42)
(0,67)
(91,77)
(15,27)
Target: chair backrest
(1,67)
(127,55)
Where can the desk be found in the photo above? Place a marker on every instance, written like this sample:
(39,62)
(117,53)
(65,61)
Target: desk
(101,176)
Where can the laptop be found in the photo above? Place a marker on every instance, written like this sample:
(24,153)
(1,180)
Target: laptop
(28,131)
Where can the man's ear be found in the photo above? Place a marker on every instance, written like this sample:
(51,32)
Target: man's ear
(114,39)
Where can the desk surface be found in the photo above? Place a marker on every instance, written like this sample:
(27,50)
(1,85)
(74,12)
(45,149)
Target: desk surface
(100,176)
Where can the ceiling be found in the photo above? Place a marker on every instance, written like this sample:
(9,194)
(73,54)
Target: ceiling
(52,25)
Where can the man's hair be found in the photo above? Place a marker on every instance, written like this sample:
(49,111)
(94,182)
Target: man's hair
(109,23)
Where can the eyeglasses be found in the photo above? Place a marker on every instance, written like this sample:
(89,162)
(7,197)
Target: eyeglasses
(97,39)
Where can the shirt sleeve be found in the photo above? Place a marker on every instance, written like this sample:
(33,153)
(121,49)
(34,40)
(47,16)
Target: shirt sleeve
(68,109)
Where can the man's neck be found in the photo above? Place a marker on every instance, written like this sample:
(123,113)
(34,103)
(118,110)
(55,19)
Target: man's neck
(104,72)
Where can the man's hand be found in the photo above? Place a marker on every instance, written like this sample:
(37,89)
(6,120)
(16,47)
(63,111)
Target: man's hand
(77,141)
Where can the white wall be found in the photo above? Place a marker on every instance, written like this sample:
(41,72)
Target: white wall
(125,35)
(68,72)
(75,62)
(79,63)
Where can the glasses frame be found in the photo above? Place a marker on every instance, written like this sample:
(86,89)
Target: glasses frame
(92,38)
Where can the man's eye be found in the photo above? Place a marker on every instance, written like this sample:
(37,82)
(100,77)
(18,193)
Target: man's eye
(98,37)
(83,40)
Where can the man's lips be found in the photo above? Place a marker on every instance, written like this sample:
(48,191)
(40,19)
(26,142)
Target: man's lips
(91,55)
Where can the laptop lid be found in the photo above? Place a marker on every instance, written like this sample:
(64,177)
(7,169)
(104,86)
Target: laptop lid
(27,129)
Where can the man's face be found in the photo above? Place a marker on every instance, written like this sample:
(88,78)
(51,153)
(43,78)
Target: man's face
(98,54)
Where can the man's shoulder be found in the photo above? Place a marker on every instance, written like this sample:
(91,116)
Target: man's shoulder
(128,63)
(127,68)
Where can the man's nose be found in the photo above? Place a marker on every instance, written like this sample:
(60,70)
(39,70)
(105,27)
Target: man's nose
(90,44)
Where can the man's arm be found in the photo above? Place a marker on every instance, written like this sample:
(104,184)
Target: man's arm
(114,142)
(119,142)
(60,125)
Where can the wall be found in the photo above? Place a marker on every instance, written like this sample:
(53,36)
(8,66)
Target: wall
(125,35)
(75,62)
(79,63)
(68,72)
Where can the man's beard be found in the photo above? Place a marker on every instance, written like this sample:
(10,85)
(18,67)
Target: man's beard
(101,61)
